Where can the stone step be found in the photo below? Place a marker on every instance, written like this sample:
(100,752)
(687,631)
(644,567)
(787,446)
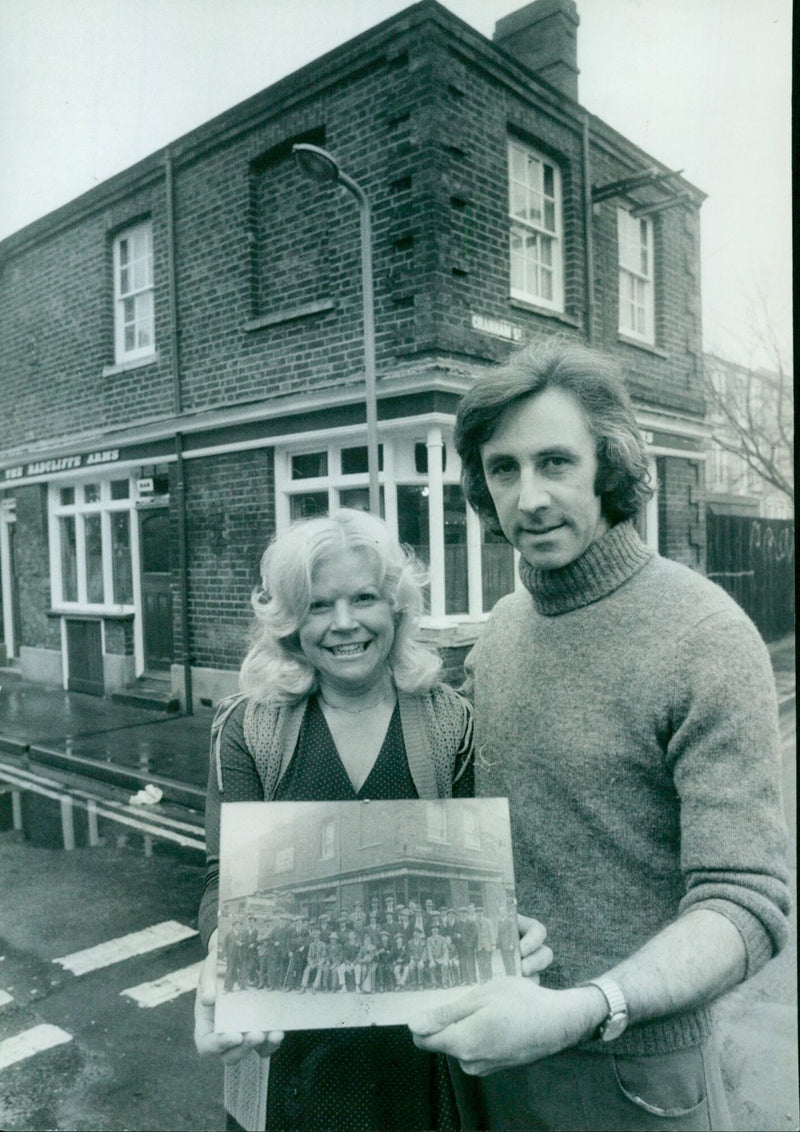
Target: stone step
(148,692)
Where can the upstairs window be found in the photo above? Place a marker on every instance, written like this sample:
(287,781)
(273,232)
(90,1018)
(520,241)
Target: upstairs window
(636,301)
(534,202)
(134,335)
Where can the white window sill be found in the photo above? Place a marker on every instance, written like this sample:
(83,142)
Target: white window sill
(548,312)
(132,363)
(641,344)
(115,612)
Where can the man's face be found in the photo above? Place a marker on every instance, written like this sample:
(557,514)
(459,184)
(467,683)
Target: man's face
(540,467)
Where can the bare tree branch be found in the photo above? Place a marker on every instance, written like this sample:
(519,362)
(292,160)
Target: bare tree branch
(751,414)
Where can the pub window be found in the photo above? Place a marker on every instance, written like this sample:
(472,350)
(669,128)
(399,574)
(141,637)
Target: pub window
(92,564)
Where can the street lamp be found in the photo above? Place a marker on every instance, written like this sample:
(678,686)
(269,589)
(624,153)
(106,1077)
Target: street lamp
(321,166)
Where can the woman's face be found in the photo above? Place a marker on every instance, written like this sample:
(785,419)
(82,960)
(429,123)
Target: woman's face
(348,631)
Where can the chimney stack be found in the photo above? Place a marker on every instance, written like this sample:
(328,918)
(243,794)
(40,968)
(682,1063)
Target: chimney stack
(543,36)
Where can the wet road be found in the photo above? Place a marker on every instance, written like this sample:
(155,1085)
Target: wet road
(118,1064)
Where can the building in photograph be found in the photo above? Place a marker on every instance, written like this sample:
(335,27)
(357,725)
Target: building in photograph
(325,857)
(181,350)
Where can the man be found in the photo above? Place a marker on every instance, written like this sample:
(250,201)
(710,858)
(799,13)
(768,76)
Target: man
(507,939)
(315,961)
(437,957)
(486,941)
(626,707)
(467,947)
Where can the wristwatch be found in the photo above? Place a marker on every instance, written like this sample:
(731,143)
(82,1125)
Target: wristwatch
(617,1018)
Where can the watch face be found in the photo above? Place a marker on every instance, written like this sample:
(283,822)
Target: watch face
(614,1026)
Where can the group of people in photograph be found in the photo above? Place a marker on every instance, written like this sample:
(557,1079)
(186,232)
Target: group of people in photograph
(396,948)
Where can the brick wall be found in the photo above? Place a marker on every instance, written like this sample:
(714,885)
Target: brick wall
(33,570)
(681,511)
(230,520)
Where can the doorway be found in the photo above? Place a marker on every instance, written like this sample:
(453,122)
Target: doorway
(156,581)
(9,589)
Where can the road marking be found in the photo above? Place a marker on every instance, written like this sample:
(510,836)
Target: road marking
(125,947)
(163,990)
(5,998)
(30,1042)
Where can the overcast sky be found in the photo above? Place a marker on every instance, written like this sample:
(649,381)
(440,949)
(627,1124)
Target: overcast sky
(88,87)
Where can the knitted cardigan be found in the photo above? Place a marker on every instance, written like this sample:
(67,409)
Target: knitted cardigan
(437,730)
(626,706)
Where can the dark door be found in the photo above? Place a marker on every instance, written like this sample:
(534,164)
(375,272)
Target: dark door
(156,589)
(85,657)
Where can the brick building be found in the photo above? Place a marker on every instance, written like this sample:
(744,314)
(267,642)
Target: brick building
(181,347)
(324,856)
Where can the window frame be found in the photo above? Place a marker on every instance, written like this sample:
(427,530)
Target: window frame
(524,225)
(104,507)
(629,273)
(143,296)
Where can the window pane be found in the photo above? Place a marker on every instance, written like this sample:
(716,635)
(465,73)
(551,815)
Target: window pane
(120,489)
(67,496)
(91,493)
(354,460)
(69,559)
(412,520)
(94,558)
(308,505)
(144,320)
(121,557)
(309,465)
(456,591)
(549,180)
(497,568)
(358,499)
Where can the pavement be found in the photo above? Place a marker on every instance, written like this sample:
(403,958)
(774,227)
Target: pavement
(109,750)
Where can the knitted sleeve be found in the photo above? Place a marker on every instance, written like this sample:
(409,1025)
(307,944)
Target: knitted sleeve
(241,784)
(725,757)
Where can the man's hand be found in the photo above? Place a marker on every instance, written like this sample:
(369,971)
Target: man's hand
(509,1022)
(536,956)
(230,1047)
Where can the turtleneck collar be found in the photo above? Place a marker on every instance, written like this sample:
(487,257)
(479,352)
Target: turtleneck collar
(602,568)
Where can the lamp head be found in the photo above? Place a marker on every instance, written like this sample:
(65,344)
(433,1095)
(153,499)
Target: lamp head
(315,162)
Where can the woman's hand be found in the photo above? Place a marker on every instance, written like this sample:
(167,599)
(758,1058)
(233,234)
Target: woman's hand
(230,1047)
(536,956)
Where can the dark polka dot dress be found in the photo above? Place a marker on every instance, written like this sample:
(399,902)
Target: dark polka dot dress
(356,1080)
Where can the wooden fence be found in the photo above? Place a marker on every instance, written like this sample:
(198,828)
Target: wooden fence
(753,560)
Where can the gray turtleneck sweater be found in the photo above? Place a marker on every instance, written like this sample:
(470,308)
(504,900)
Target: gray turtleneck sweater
(626,706)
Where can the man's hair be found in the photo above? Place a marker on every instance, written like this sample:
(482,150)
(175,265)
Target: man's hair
(593,380)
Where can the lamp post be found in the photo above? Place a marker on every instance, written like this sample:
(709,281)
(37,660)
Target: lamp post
(321,166)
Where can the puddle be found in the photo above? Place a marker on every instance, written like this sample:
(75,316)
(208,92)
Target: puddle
(53,816)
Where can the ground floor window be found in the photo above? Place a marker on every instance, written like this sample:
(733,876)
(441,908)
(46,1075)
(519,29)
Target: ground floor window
(421,499)
(91,544)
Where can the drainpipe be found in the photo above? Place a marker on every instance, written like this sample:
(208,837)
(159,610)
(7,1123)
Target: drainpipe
(175,366)
(588,236)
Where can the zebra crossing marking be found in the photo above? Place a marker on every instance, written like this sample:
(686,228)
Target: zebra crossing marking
(29,1042)
(166,988)
(125,947)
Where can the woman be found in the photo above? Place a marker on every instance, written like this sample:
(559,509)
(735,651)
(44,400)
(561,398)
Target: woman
(341,702)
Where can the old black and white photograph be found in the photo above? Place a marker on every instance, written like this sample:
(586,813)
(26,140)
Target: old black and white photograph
(360,913)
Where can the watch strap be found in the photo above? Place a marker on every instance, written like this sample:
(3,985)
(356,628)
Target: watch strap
(616,1020)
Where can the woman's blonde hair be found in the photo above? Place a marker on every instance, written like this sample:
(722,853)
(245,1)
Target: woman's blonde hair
(276,669)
